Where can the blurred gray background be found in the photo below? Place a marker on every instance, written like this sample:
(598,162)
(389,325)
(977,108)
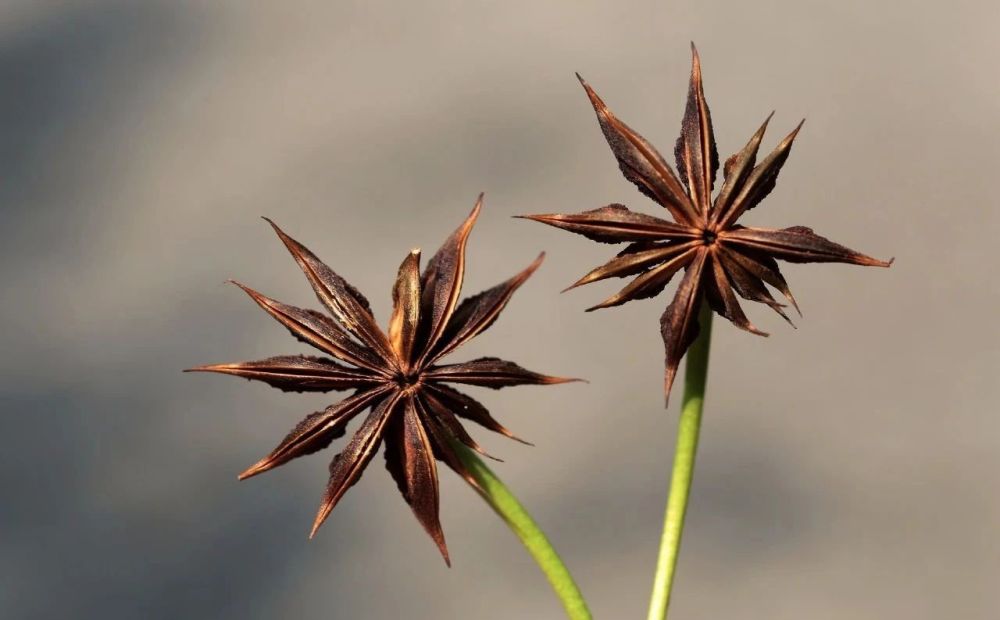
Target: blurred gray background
(849,469)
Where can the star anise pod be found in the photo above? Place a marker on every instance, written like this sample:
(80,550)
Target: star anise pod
(394,373)
(721,258)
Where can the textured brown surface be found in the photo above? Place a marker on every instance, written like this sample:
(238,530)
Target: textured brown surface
(720,257)
(847,468)
(397,373)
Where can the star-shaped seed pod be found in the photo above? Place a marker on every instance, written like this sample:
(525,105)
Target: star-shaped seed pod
(720,258)
(395,373)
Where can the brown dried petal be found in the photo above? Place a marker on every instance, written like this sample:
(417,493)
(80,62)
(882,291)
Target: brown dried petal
(441,442)
(297,373)
(679,322)
(742,261)
(347,467)
(441,283)
(761,180)
(491,372)
(413,413)
(392,436)
(738,167)
(406,309)
(652,282)
(799,244)
(477,313)
(615,224)
(464,406)
(315,432)
(727,306)
(763,267)
(346,303)
(641,163)
(697,157)
(420,471)
(435,406)
(634,259)
(317,330)
(747,285)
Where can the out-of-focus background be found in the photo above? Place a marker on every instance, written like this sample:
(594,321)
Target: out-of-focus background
(849,468)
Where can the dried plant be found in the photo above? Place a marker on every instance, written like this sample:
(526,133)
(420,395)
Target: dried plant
(721,258)
(395,373)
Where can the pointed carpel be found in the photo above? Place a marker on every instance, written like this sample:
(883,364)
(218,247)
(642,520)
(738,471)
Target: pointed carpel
(445,445)
(675,200)
(760,176)
(321,516)
(678,318)
(255,369)
(741,163)
(440,313)
(640,287)
(461,373)
(620,265)
(257,468)
(345,306)
(731,305)
(483,314)
(770,276)
(615,223)
(313,337)
(441,414)
(751,287)
(220,368)
(698,165)
(365,441)
(405,317)
(799,244)
(420,476)
(471,409)
(344,410)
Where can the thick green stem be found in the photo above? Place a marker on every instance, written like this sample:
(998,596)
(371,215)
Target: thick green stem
(499,497)
(680,480)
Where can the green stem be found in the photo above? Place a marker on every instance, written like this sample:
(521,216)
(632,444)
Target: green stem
(688,428)
(499,497)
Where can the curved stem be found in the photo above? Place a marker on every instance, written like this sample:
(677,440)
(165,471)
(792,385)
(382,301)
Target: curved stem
(503,502)
(688,428)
